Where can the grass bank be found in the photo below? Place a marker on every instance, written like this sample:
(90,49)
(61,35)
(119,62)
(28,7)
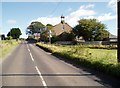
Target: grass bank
(103,60)
(6,46)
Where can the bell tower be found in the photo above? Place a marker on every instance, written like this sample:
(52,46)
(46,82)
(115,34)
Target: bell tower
(62,19)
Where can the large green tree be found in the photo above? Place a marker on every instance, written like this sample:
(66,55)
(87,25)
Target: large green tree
(101,35)
(35,27)
(91,29)
(14,33)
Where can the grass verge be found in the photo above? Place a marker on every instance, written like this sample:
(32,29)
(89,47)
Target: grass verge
(102,60)
(6,46)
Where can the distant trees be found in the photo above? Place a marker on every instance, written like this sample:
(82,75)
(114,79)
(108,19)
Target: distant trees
(49,26)
(14,33)
(35,27)
(2,37)
(38,27)
(91,29)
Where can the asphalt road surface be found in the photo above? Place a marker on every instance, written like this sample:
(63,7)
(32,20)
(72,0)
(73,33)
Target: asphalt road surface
(28,65)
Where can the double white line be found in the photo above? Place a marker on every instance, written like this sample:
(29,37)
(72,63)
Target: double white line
(40,75)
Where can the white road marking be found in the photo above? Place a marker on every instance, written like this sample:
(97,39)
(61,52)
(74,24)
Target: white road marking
(43,81)
(30,53)
(29,50)
(31,57)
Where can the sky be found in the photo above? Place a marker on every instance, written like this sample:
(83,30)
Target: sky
(21,14)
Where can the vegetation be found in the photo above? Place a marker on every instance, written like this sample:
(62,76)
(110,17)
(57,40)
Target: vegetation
(49,26)
(6,46)
(14,33)
(38,27)
(35,27)
(2,37)
(91,29)
(104,60)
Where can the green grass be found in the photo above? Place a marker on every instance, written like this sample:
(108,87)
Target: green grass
(104,55)
(104,60)
(6,46)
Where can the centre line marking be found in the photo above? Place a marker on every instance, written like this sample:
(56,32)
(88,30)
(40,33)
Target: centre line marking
(43,81)
(29,50)
(31,57)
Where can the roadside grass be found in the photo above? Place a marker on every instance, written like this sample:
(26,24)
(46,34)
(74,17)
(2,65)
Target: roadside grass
(104,60)
(6,46)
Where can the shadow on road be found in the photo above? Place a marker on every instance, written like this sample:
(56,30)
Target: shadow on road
(46,74)
(104,78)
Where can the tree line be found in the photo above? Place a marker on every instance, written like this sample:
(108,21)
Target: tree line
(89,29)
(14,33)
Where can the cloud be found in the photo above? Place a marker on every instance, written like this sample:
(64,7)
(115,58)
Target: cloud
(84,10)
(48,20)
(11,21)
(103,17)
(106,17)
(87,6)
(89,17)
(112,4)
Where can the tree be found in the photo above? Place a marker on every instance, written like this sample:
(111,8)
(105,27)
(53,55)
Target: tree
(2,37)
(90,29)
(14,33)
(35,27)
(45,35)
(101,35)
(49,26)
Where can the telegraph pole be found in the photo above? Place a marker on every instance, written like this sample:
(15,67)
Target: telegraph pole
(118,26)
(50,36)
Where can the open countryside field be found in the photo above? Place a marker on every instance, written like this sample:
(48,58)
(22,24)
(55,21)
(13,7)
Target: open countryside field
(6,46)
(108,56)
(104,55)
(100,59)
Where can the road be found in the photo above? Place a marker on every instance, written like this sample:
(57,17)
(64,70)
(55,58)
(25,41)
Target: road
(29,65)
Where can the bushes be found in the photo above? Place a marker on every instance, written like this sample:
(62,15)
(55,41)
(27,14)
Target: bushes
(54,39)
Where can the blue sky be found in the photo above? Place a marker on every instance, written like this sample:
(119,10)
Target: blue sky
(20,14)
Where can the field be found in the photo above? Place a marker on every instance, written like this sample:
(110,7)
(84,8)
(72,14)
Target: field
(6,46)
(108,56)
(104,60)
